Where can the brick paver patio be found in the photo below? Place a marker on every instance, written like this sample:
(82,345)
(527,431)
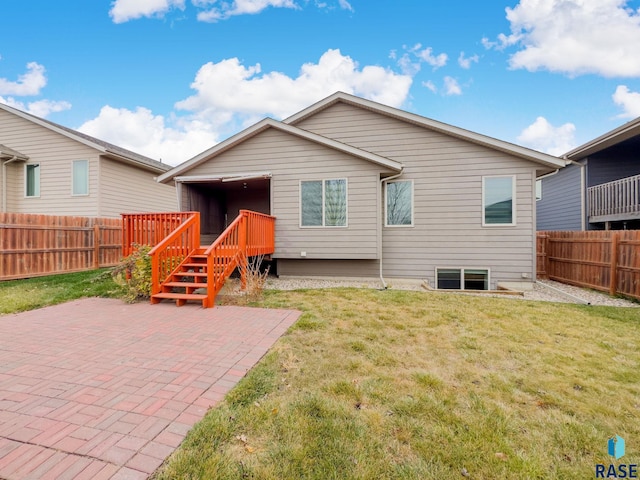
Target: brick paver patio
(97,389)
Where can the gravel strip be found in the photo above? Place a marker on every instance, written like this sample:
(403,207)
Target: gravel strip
(543,290)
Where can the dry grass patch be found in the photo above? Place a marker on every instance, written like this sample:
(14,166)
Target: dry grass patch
(371,384)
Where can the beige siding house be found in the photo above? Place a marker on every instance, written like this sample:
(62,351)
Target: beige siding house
(360,189)
(50,169)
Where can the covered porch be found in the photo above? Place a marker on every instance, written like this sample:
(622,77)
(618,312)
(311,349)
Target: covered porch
(617,201)
(219,199)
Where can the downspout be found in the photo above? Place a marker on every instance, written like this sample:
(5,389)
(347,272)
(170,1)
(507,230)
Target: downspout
(4,182)
(382,182)
(583,192)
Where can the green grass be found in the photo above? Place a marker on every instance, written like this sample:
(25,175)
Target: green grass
(21,295)
(411,385)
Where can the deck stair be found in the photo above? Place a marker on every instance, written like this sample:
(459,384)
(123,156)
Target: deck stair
(182,270)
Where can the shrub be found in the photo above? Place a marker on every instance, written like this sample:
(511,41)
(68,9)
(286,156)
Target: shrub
(134,273)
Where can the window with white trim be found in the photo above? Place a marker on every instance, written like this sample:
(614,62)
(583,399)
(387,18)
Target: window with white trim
(399,203)
(323,203)
(498,200)
(538,190)
(462,279)
(32,180)
(80,177)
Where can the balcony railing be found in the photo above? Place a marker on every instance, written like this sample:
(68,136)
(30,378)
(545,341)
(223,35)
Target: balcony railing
(614,201)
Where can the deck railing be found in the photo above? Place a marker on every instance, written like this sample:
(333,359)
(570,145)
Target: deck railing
(167,255)
(148,228)
(249,235)
(617,200)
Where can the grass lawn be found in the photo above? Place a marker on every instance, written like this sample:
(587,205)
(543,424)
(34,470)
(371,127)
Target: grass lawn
(381,385)
(21,295)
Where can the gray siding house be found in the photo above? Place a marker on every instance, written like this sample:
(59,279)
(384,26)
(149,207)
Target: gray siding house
(50,169)
(600,189)
(360,189)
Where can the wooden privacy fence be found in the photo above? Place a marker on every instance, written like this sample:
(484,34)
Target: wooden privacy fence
(608,261)
(35,245)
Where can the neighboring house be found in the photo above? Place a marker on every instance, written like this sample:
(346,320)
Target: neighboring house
(360,189)
(600,189)
(51,169)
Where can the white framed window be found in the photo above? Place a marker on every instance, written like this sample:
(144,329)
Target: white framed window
(80,177)
(462,278)
(398,200)
(32,180)
(498,201)
(538,190)
(323,203)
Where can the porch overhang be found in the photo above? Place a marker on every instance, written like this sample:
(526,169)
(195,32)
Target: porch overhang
(223,178)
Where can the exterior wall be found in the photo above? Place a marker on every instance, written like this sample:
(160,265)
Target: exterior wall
(114,187)
(561,205)
(607,167)
(290,160)
(328,268)
(55,154)
(128,189)
(447,174)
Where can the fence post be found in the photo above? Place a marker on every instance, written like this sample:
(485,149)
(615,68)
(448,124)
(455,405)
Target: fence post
(613,276)
(242,246)
(96,246)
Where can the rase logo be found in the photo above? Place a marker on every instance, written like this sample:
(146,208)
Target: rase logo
(616,448)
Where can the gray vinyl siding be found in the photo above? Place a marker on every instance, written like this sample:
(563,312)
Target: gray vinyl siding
(114,187)
(447,174)
(128,189)
(561,205)
(54,153)
(605,167)
(290,160)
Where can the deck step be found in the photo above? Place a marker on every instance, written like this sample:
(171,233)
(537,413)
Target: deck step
(180,296)
(190,274)
(185,284)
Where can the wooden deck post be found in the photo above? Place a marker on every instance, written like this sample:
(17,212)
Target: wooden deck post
(242,245)
(613,278)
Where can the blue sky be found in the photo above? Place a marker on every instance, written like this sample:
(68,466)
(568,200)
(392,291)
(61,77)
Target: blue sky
(170,78)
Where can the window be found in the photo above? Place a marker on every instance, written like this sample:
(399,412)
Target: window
(323,203)
(399,203)
(80,177)
(538,190)
(32,180)
(498,206)
(462,279)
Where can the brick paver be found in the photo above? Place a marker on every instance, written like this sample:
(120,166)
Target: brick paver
(96,388)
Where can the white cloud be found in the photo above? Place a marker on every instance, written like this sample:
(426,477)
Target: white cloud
(29,83)
(208,10)
(230,86)
(411,61)
(426,55)
(230,96)
(237,7)
(574,37)
(451,86)
(40,108)
(628,100)
(543,136)
(125,10)
(465,62)
(148,134)
(431,86)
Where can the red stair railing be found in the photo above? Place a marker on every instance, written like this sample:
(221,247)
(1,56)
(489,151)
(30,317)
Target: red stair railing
(250,234)
(149,228)
(167,255)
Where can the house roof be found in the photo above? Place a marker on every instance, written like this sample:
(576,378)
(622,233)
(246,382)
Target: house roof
(283,127)
(120,153)
(8,153)
(516,150)
(616,136)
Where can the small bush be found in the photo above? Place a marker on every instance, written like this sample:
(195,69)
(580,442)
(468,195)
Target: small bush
(134,273)
(255,278)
